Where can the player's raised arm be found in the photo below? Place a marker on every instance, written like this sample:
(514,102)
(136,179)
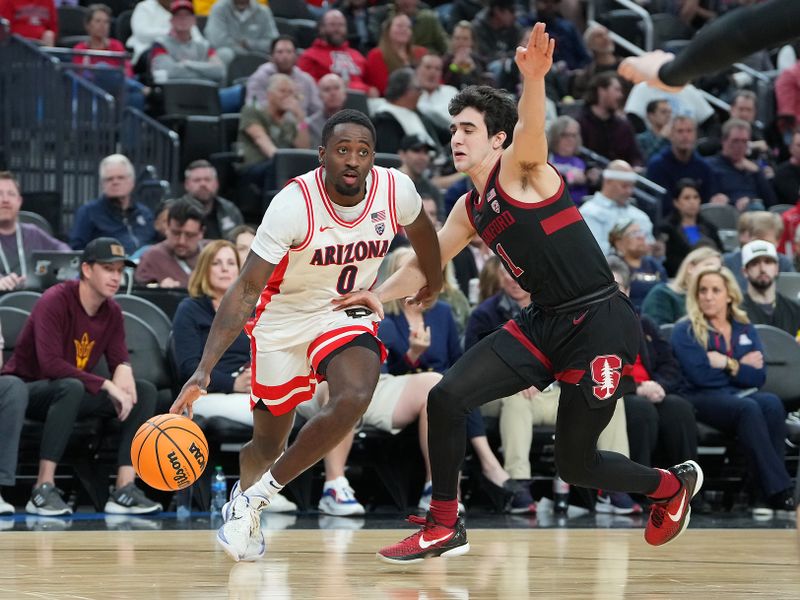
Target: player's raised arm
(236,307)
(529,146)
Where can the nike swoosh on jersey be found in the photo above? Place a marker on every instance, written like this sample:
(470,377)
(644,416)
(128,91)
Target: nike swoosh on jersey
(325,228)
(675,517)
(423,543)
(580,319)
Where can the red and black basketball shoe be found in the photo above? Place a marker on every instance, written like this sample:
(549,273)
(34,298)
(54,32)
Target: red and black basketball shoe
(430,541)
(668,518)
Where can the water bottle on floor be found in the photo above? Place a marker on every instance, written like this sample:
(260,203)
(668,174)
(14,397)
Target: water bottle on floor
(560,496)
(219,490)
(183,503)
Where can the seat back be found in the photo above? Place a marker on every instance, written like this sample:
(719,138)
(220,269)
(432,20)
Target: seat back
(291,162)
(151,314)
(724,216)
(32,218)
(788,284)
(12,321)
(782,359)
(244,65)
(151,192)
(191,97)
(47,204)
(23,299)
(122,26)
(70,21)
(387,160)
(357,101)
(666,330)
(290,9)
(147,358)
(779,209)
(202,137)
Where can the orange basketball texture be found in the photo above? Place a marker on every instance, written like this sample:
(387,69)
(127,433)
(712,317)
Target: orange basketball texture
(169,452)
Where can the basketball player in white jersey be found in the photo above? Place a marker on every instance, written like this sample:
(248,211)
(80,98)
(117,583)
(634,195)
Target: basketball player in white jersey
(323,236)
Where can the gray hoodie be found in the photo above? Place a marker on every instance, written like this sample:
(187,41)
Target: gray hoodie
(225,28)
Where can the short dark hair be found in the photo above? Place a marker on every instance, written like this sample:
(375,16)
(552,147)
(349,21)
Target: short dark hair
(399,83)
(498,108)
(282,38)
(683,183)
(652,106)
(346,115)
(93,8)
(185,209)
(601,80)
(199,164)
(239,230)
(9,176)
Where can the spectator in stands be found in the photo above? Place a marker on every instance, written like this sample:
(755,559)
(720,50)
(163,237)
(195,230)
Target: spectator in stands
(400,117)
(688,101)
(463,66)
(564,141)
(114,213)
(666,302)
(496,31)
(394,51)
(415,153)
(686,229)
(603,130)
(762,302)
(13,403)
(787,98)
(242,238)
(179,56)
(229,389)
(283,59)
(330,53)
(602,49)
(237,27)
(333,93)
(169,264)
(35,20)
(787,181)
(71,327)
(681,161)
(656,137)
(740,181)
(152,20)
(628,242)
(570,53)
(613,204)
(744,106)
(279,123)
(220,215)
(428,32)
(660,420)
(756,225)
(722,358)
(98,25)
(434,95)
(18,240)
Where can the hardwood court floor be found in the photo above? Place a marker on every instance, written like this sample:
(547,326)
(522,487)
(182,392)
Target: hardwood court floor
(339,564)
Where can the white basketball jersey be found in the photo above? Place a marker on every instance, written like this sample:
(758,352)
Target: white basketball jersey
(324,256)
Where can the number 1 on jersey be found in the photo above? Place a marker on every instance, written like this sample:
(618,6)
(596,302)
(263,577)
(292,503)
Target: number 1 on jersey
(501,252)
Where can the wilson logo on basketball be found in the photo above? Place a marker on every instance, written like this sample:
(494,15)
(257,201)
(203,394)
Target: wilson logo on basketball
(606,372)
(198,455)
(180,476)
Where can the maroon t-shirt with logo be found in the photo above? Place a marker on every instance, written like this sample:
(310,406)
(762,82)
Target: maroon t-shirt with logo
(59,340)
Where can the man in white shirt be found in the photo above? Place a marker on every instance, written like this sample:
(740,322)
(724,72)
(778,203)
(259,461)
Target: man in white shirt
(434,95)
(614,203)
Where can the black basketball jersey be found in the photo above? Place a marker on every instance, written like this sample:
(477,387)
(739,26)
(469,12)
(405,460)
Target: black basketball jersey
(546,247)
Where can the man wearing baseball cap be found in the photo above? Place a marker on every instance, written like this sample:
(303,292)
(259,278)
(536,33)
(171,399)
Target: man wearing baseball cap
(762,303)
(72,326)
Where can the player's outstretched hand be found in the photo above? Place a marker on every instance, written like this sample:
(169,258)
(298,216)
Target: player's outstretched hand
(645,68)
(424,297)
(537,59)
(191,391)
(359,298)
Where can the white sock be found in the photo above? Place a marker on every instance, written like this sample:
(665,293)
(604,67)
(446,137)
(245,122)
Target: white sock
(266,487)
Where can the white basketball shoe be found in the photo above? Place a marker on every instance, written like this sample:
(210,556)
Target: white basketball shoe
(240,535)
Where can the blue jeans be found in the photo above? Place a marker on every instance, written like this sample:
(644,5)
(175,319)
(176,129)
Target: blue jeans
(759,423)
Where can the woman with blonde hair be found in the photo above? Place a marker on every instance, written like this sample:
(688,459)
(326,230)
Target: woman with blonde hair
(394,51)
(666,302)
(229,389)
(722,359)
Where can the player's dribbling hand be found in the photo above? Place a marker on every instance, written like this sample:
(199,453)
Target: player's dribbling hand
(537,59)
(645,69)
(191,391)
(359,298)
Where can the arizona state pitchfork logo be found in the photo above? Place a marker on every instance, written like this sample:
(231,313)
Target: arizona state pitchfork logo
(83,350)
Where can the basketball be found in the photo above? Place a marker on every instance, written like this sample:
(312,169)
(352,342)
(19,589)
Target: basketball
(169,452)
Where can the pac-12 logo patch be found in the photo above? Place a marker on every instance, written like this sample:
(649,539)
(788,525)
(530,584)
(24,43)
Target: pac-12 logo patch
(606,372)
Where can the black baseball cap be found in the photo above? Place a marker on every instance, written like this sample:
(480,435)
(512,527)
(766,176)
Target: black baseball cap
(105,250)
(414,142)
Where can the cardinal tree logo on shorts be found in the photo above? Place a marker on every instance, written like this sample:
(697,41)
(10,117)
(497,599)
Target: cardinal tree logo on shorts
(606,373)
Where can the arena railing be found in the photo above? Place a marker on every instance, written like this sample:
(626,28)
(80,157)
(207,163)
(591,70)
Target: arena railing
(146,142)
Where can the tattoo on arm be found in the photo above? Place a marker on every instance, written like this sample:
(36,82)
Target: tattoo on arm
(526,169)
(236,307)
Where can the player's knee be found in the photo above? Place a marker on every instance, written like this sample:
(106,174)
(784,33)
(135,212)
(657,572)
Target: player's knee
(444,403)
(352,403)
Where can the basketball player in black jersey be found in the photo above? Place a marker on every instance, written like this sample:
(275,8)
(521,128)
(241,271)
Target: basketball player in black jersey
(579,329)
